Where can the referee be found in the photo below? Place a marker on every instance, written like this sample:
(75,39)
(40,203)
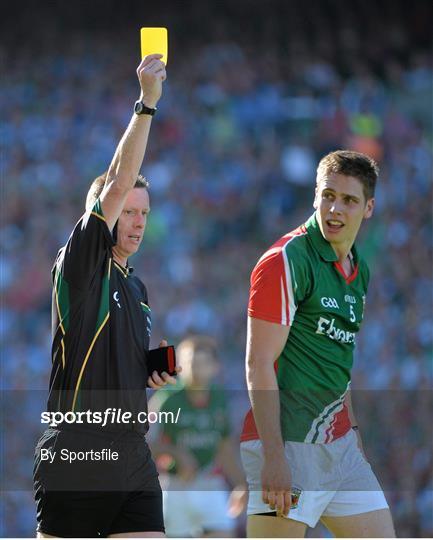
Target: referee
(94,480)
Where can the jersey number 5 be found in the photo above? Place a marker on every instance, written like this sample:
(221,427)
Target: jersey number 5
(352,314)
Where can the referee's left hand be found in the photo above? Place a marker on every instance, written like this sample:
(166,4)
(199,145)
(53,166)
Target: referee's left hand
(156,381)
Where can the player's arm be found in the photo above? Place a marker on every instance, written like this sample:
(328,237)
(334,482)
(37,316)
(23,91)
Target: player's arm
(228,459)
(127,160)
(161,443)
(353,421)
(265,342)
(272,307)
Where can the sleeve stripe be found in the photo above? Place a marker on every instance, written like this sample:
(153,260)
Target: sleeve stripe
(283,303)
(272,292)
(291,304)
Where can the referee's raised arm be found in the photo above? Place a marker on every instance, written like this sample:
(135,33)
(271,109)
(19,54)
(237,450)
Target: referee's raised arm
(127,159)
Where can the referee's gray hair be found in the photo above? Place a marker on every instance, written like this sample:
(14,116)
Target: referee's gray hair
(98,184)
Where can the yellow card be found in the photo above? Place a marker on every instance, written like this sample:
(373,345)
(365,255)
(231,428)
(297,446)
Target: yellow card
(154,40)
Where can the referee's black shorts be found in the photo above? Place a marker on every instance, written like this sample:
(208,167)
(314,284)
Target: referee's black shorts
(93,497)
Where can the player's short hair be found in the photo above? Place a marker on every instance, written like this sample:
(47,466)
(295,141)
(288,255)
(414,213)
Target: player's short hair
(198,343)
(98,184)
(350,163)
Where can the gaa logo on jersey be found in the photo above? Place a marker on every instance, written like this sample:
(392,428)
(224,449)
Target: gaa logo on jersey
(296,493)
(329,302)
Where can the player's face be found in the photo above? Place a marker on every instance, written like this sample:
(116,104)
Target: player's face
(203,367)
(199,368)
(340,208)
(132,221)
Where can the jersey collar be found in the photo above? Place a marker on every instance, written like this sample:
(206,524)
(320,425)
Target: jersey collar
(322,245)
(126,270)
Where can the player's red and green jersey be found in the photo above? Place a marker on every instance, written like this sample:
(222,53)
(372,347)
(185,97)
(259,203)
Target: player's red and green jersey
(200,428)
(299,283)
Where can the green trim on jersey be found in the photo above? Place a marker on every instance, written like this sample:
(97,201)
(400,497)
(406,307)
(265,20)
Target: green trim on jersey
(103,316)
(104,306)
(145,308)
(97,210)
(62,300)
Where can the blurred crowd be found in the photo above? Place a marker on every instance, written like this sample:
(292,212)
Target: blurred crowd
(252,102)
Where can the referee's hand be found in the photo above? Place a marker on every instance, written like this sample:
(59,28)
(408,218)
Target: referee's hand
(156,381)
(151,74)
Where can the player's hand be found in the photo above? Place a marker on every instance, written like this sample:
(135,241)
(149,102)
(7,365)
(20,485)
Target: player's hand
(276,485)
(238,501)
(156,381)
(188,466)
(151,74)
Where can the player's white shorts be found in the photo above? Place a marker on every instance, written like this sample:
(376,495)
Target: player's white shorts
(331,479)
(192,508)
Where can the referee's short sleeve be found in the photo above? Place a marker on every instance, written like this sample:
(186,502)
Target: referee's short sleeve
(86,249)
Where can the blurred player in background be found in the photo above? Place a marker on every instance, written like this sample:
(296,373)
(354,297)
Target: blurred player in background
(301,447)
(101,332)
(198,453)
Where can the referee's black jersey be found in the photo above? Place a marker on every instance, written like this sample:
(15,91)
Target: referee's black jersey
(101,325)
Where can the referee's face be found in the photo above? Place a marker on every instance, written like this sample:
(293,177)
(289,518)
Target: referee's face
(132,222)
